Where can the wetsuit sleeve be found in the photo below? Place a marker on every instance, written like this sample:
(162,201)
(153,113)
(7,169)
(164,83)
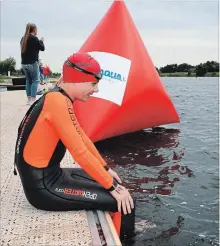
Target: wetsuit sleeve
(62,118)
(93,149)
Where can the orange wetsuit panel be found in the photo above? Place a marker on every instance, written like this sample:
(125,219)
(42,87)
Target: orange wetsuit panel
(92,148)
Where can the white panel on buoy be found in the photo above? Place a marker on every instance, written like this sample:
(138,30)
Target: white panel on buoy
(115,72)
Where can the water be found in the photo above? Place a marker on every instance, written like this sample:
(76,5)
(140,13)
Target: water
(172,171)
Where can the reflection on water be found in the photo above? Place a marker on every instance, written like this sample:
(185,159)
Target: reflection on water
(158,149)
(149,163)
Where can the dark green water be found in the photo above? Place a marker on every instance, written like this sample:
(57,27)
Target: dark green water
(172,171)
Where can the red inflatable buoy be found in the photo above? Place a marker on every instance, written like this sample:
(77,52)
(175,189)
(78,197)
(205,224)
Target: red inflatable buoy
(131,95)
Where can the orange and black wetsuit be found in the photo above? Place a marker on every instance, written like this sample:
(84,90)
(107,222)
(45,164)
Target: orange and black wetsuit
(48,128)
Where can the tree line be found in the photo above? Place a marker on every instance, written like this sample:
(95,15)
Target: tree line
(199,70)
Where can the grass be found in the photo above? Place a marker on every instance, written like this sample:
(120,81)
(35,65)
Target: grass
(179,74)
(4,78)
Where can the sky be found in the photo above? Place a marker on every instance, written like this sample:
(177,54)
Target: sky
(173,31)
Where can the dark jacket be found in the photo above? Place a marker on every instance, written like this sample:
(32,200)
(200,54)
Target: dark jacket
(31,54)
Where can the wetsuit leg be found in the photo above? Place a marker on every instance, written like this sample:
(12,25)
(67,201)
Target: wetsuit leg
(75,190)
(72,189)
(124,223)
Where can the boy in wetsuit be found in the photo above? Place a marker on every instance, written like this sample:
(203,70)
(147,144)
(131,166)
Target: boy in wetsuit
(48,128)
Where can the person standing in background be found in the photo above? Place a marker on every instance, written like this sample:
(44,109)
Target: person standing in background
(30,47)
(47,72)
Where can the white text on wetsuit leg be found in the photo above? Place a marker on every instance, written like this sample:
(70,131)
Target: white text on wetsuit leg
(72,192)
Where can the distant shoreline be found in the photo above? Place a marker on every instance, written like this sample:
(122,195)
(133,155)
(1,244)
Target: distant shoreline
(4,78)
(182,74)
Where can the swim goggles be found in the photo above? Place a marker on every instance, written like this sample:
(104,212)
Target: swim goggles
(98,76)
